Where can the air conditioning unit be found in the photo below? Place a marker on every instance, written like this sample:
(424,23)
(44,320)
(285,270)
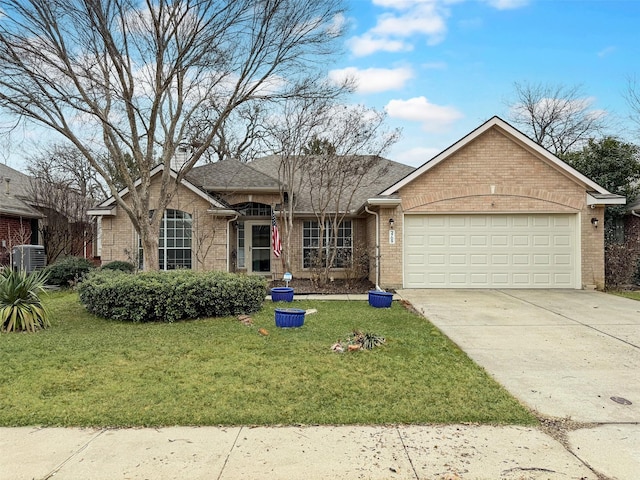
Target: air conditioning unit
(28,257)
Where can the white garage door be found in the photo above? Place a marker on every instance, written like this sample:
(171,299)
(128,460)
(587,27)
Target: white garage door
(491,251)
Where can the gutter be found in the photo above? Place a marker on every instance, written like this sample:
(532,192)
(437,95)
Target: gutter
(366,208)
(228,250)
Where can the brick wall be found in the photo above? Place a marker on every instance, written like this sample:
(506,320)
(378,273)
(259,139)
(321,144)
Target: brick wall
(13,231)
(209,235)
(209,252)
(495,174)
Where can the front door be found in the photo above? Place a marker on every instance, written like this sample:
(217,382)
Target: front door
(259,247)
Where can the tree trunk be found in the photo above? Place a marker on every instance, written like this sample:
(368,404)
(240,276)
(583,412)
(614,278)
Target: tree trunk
(149,240)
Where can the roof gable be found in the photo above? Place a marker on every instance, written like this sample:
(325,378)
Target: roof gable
(111,201)
(513,134)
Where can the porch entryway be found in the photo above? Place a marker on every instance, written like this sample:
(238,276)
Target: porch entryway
(258,246)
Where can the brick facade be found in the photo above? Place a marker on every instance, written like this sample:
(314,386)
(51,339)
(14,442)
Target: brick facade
(13,231)
(496,174)
(119,240)
(496,171)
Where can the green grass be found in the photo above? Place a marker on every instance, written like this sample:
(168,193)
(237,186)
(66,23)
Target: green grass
(635,295)
(87,371)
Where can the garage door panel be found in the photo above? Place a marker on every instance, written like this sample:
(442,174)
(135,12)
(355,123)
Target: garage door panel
(458,241)
(485,251)
(520,240)
(436,240)
(457,259)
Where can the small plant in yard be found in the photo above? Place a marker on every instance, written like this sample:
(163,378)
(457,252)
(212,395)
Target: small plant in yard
(68,271)
(119,265)
(359,341)
(20,306)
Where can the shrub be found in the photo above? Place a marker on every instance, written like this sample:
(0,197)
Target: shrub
(68,271)
(20,306)
(119,265)
(170,296)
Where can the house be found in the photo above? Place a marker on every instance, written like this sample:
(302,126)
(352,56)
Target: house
(494,210)
(36,212)
(18,218)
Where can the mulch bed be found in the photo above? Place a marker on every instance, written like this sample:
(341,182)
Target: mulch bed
(306,286)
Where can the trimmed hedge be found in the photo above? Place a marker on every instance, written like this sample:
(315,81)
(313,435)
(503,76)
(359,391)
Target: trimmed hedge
(68,271)
(119,265)
(170,296)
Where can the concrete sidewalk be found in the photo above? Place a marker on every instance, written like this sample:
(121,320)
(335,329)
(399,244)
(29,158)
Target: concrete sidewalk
(394,452)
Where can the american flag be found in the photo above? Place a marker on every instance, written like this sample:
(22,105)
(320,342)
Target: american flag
(275,236)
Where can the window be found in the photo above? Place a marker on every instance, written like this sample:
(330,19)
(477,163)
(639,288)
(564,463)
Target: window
(174,242)
(240,249)
(311,241)
(253,209)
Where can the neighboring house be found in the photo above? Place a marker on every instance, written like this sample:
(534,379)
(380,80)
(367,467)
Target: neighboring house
(37,213)
(623,248)
(18,218)
(494,210)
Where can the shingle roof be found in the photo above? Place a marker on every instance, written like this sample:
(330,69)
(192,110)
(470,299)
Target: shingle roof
(232,175)
(14,202)
(13,206)
(20,183)
(384,173)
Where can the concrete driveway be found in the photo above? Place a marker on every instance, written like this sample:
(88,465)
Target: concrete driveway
(564,353)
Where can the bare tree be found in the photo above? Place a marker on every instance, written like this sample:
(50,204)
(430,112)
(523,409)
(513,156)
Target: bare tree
(204,237)
(327,152)
(64,186)
(344,160)
(127,77)
(16,236)
(240,136)
(66,167)
(557,117)
(288,135)
(632,96)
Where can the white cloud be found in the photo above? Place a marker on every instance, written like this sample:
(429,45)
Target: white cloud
(434,118)
(364,45)
(408,19)
(373,80)
(425,19)
(405,21)
(416,156)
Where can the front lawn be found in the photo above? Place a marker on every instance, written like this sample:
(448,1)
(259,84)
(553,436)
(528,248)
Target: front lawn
(86,371)
(635,295)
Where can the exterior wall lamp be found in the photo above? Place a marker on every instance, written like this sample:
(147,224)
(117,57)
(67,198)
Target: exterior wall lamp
(391,222)
(594,222)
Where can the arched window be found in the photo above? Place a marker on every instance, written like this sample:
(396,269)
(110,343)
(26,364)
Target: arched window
(174,242)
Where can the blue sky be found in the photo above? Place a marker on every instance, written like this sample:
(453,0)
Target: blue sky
(442,67)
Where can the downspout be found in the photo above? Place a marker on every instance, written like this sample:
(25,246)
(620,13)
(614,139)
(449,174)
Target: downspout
(228,235)
(635,213)
(366,208)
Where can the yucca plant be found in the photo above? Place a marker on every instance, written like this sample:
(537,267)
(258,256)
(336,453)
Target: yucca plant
(20,306)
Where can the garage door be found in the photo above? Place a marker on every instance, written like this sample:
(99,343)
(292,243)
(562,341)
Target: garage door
(491,251)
